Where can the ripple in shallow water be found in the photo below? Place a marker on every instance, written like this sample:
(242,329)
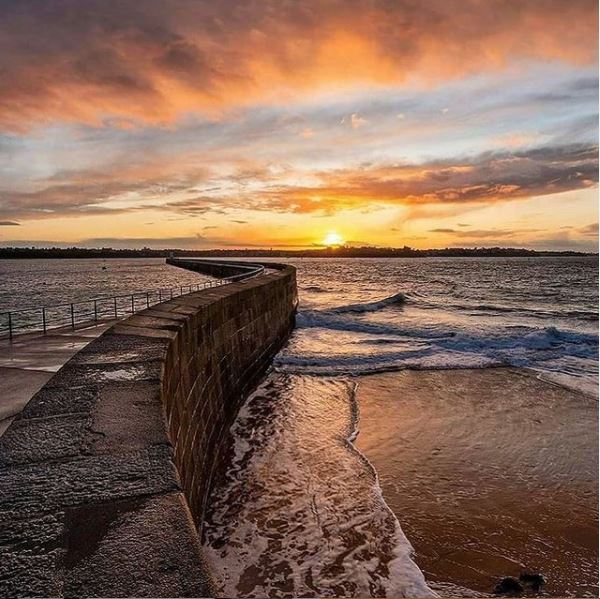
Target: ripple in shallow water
(299,512)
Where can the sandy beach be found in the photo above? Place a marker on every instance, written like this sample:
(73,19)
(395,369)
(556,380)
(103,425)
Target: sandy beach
(490,472)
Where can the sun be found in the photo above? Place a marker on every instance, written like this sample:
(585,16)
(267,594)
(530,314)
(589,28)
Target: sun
(332,239)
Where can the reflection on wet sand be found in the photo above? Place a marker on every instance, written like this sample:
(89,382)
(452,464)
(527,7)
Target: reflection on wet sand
(489,472)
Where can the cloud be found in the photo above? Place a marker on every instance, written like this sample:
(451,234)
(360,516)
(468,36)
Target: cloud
(590,230)
(484,233)
(156,61)
(184,242)
(486,178)
(563,241)
(357,121)
(9,223)
(478,180)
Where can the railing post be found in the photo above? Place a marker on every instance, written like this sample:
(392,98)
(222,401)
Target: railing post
(72,317)
(95,310)
(181,290)
(44,319)
(147,299)
(10,333)
(132,304)
(115,306)
(159,296)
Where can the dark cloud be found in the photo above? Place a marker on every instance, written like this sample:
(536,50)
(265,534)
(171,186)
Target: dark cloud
(189,242)
(563,241)
(9,223)
(65,199)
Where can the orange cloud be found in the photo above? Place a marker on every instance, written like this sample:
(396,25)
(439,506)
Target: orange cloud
(486,178)
(196,190)
(157,60)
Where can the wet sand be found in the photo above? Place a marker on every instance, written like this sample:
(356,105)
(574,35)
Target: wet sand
(489,472)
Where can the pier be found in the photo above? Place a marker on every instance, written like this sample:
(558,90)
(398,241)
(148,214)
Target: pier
(105,474)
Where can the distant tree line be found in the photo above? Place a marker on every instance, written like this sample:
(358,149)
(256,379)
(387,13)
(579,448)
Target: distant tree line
(329,252)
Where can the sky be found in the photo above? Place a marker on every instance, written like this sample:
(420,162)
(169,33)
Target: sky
(285,123)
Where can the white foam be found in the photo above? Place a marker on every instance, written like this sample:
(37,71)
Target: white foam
(343,343)
(300,511)
(397,298)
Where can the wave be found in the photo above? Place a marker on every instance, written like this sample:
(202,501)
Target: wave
(398,298)
(291,518)
(314,289)
(588,315)
(368,347)
(338,322)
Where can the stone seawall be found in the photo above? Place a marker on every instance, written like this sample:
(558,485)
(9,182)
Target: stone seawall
(234,271)
(105,475)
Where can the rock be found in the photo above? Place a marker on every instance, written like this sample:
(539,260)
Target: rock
(508,586)
(532,580)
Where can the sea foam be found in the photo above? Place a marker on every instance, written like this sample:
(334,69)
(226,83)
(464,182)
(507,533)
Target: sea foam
(300,511)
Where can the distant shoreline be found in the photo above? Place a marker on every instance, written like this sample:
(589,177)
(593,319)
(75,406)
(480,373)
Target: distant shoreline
(337,252)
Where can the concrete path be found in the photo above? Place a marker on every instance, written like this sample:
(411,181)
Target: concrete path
(30,360)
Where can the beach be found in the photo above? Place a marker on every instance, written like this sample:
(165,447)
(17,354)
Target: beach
(490,472)
(429,428)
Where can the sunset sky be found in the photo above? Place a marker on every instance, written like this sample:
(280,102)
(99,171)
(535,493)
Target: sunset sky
(278,123)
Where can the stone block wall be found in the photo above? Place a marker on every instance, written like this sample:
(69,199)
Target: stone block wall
(104,476)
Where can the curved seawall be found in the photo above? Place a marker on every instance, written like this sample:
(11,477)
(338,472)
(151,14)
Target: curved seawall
(105,474)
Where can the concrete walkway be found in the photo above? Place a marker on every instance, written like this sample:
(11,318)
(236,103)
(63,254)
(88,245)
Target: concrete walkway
(30,360)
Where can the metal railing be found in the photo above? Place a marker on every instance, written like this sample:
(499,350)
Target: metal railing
(98,309)
(102,308)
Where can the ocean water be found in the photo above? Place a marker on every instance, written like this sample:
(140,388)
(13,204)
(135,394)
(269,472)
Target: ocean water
(34,283)
(27,285)
(300,511)
(371,315)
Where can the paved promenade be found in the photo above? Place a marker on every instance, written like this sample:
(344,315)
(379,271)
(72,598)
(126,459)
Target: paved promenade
(30,360)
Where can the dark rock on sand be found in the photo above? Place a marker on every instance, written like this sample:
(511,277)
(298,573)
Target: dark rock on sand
(532,580)
(508,586)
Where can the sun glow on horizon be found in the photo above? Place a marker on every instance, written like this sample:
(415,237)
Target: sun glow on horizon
(332,239)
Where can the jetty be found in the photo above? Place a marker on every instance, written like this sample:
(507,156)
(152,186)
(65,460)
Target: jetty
(106,472)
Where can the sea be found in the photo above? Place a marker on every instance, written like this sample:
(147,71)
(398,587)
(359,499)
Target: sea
(359,316)
(300,511)
(28,285)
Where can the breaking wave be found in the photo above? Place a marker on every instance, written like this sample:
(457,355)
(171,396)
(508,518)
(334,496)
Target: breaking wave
(398,298)
(369,337)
